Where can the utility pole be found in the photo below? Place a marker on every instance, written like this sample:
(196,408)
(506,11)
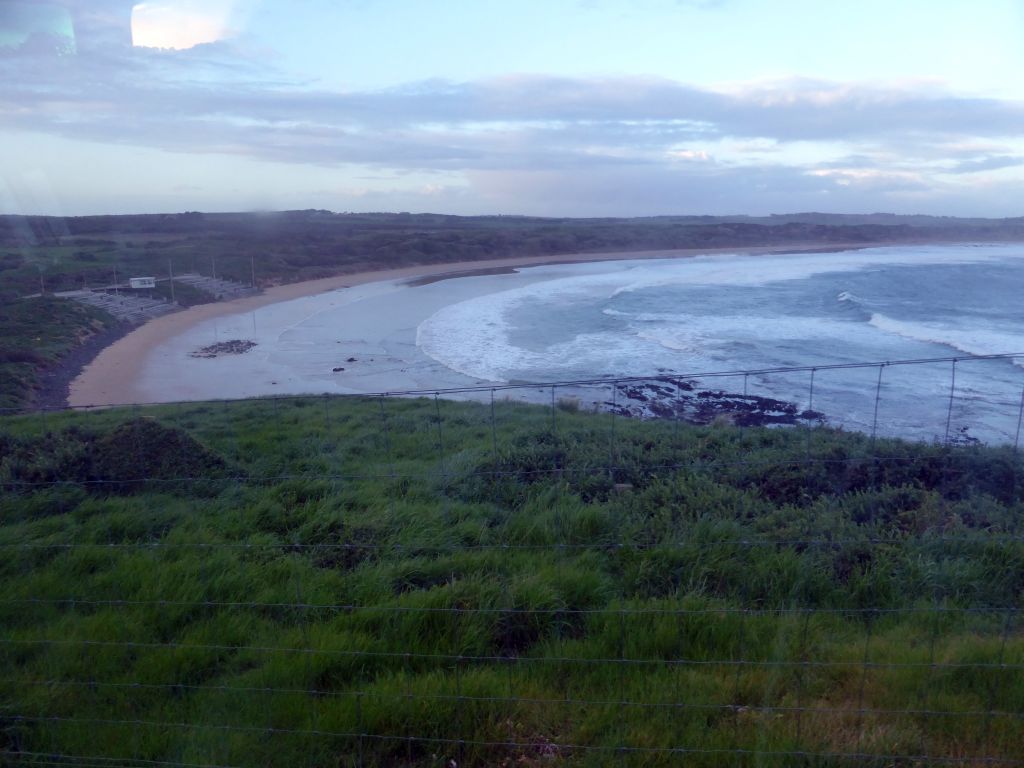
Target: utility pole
(252,263)
(170,277)
(213,263)
(116,291)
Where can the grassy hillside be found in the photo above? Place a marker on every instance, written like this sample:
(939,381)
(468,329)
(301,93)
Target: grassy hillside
(409,582)
(35,334)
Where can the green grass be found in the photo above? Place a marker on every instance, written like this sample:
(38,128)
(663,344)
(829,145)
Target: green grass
(36,333)
(311,581)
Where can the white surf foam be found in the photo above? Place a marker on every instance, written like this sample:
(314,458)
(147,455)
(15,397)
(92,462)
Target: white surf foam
(972,341)
(472,337)
(753,271)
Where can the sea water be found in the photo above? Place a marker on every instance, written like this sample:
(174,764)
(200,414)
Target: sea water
(733,313)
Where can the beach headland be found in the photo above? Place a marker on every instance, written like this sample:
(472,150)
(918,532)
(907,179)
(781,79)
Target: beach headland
(114,376)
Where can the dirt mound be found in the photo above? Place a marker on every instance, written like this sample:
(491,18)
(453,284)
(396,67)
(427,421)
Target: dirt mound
(133,456)
(145,449)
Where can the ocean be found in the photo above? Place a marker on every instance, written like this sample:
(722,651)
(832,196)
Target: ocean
(673,318)
(730,313)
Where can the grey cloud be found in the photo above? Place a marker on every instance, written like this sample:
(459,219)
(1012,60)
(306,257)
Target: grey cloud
(992,163)
(216,83)
(548,132)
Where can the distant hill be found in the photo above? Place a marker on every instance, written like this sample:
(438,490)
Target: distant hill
(290,246)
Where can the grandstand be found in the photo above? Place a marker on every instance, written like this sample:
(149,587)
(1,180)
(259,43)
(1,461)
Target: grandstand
(134,307)
(215,286)
(126,307)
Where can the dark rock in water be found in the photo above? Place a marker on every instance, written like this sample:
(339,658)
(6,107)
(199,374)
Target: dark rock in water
(661,389)
(962,437)
(669,398)
(350,360)
(233,347)
(336,370)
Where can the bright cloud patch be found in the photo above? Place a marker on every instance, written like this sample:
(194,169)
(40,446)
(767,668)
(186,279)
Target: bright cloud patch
(179,24)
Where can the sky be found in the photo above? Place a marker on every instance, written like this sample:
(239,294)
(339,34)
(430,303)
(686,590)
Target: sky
(537,107)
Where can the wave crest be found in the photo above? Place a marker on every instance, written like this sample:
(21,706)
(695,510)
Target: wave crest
(973,342)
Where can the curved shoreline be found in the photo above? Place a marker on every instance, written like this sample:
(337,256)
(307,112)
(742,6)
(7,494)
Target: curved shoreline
(112,377)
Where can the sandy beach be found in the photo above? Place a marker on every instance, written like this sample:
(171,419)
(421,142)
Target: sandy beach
(118,374)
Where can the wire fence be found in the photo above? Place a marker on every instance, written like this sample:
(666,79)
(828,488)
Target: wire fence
(739,567)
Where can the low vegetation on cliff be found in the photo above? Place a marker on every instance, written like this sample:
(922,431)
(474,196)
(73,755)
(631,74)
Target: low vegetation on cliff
(408,582)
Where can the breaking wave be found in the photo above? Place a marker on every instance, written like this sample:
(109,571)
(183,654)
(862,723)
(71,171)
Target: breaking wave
(477,337)
(971,341)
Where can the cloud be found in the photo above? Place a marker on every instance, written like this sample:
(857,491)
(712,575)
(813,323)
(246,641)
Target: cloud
(874,179)
(101,25)
(636,141)
(489,120)
(180,24)
(991,163)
